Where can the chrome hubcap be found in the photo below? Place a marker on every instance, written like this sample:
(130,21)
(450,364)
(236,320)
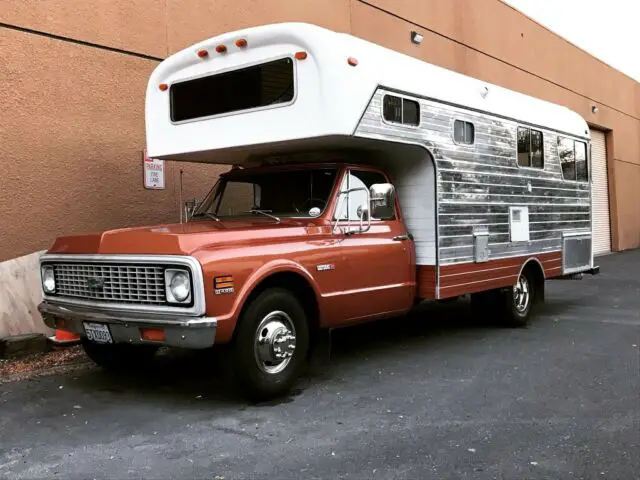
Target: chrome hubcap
(275,342)
(521,294)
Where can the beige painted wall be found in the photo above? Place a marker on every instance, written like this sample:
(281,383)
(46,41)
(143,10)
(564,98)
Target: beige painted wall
(71,143)
(133,25)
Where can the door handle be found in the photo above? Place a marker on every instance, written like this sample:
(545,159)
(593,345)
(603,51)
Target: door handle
(401,238)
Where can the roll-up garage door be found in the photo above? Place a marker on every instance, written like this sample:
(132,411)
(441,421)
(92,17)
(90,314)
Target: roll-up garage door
(600,194)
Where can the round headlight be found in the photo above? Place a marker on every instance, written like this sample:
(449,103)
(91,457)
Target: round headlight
(48,280)
(180,286)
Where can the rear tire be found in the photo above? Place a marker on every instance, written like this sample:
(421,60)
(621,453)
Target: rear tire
(271,345)
(120,356)
(519,300)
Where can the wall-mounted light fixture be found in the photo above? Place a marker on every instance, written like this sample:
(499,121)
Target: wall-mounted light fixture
(416,37)
(594,109)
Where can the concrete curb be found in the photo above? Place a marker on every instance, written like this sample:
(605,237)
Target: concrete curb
(22,345)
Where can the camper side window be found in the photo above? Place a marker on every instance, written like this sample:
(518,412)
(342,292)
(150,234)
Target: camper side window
(573,159)
(530,148)
(400,110)
(463,132)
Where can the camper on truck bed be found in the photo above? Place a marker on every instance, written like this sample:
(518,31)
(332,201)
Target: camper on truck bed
(364,181)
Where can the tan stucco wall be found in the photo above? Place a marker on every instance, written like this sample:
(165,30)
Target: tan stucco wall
(71,140)
(133,25)
(72,123)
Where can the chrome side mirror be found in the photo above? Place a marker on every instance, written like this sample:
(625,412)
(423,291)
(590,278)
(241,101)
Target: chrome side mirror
(363,215)
(382,200)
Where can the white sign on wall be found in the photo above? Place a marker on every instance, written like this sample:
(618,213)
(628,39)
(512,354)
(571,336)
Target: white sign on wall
(153,172)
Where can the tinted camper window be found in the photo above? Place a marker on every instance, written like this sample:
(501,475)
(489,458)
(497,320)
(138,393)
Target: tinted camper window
(567,158)
(573,159)
(400,110)
(530,148)
(257,86)
(537,149)
(524,147)
(581,162)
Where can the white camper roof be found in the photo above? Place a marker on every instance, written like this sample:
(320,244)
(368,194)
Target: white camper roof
(330,94)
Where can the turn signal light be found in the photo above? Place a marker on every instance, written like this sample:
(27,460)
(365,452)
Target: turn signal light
(241,43)
(203,53)
(221,49)
(152,334)
(301,55)
(163,87)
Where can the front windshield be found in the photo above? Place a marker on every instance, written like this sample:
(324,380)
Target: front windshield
(278,193)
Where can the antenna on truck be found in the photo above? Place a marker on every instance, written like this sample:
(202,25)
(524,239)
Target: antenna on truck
(180,199)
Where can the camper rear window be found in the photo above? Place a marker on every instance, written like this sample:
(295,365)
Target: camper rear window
(257,86)
(573,159)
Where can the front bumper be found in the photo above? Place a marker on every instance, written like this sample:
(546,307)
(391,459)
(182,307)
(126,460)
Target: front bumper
(179,331)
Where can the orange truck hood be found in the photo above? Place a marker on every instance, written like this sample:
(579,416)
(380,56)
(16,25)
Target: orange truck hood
(180,239)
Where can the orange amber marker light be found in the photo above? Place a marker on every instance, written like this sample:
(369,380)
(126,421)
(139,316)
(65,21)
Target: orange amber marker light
(241,43)
(203,53)
(221,49)
(301,55)
(352,61)
(163,87)
(152,334)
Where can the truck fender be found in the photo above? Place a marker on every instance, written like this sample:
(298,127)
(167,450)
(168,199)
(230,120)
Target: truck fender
(267,270)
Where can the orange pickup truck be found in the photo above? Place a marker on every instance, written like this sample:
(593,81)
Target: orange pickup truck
(364,182)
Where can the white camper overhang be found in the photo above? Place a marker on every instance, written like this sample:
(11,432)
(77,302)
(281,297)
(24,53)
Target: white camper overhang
(330,94)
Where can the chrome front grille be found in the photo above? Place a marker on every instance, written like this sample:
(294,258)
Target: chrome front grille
(118,283)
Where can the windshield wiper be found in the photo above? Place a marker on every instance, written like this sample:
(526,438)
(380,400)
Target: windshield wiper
(208,215)
(264,212)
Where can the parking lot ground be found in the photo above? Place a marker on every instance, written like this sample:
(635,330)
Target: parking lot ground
(436,394)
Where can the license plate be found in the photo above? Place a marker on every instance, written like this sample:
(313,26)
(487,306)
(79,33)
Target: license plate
(97,332)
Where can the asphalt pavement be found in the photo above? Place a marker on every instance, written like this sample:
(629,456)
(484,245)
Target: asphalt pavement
(437,394)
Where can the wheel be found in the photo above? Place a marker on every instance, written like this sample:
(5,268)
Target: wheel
(271,345)
(119,356)
(519,301)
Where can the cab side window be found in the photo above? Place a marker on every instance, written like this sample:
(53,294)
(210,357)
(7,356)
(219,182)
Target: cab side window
(349,204)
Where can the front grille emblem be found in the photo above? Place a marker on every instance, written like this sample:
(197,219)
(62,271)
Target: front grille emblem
(95,284)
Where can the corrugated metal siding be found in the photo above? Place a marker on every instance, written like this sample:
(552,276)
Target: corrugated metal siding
(477,183)
(600,192)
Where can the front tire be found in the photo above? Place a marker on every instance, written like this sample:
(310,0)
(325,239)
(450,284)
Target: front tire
(119,357)
(271,345)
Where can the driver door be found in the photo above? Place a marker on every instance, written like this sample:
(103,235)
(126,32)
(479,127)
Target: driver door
(380,262)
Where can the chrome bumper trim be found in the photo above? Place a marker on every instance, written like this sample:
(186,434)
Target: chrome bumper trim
(180,331)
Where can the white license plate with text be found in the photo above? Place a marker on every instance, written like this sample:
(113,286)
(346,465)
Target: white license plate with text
(97,332)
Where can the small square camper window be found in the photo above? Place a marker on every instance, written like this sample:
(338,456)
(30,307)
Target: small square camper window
(400,110)
(257,86)
(463,132)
